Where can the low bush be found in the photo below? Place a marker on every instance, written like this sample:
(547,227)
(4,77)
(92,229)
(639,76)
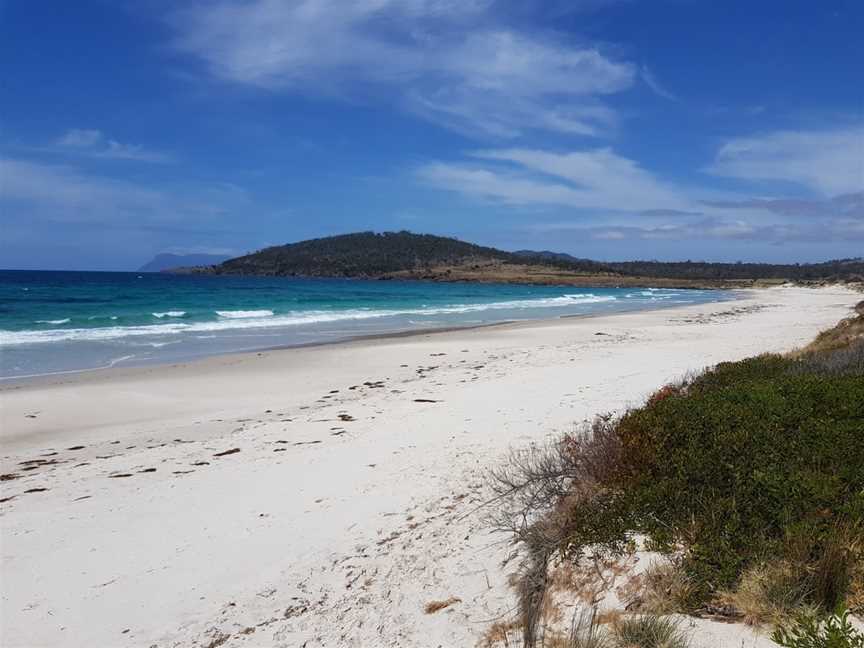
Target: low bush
(751,474)
(809,632)
(752,458)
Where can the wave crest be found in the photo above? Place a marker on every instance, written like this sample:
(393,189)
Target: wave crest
(244,314)
(250,319)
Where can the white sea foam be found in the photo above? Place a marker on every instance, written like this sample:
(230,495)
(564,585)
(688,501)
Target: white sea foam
(115,361)
(232,320)
(57,321)
(176,313)
(244,314)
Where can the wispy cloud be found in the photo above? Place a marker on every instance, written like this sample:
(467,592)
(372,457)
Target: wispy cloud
(93,143)
(448,61)
(61,193)
(589,179)
(651,81)
(611,197)
(714,229)
(844,205)
(829,162)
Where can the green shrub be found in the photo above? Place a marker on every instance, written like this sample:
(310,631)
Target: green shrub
(809,632)
(648,632)
(750,458)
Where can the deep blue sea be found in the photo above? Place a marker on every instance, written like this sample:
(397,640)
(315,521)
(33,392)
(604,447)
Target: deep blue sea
(67,321)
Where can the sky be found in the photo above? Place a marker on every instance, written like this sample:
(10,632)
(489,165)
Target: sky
(608,129)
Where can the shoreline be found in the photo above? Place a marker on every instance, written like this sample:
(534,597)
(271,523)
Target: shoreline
(13,382)
(323,494)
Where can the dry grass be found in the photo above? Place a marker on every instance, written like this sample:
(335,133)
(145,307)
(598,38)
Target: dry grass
(663,588)
(855,596)
(539,491)
(845,333)
(768,594)
(436,606)
(812,579)
(502,634)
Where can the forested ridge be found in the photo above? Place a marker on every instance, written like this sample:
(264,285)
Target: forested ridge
(380,255)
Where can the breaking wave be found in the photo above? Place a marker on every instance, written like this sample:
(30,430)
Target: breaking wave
(244,314)
(246,319)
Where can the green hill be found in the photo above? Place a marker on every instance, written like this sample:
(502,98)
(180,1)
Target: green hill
(368,254)
(405,255)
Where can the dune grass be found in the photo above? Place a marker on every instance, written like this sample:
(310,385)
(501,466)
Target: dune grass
(648,631)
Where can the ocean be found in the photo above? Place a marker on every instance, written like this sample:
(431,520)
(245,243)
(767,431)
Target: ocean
(69,321)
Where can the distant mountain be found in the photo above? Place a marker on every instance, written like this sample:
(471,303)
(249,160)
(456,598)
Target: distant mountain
(170,261)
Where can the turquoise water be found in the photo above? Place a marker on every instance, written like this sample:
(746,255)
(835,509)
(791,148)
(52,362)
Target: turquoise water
(66,321)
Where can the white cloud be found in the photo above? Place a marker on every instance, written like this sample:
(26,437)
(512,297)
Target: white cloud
(829,162)
(448,61)
(590,179)
(61,193)
(510,188)
(603,178)
(610,197)
(93,143)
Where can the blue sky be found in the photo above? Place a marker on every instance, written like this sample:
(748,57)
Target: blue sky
(607,129)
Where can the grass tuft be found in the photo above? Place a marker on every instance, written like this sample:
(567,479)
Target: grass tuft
(649,631)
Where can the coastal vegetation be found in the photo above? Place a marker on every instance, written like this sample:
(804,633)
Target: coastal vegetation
(747,479)
(405,255)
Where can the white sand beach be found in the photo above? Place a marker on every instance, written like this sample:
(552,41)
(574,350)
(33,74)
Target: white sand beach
(322,496)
